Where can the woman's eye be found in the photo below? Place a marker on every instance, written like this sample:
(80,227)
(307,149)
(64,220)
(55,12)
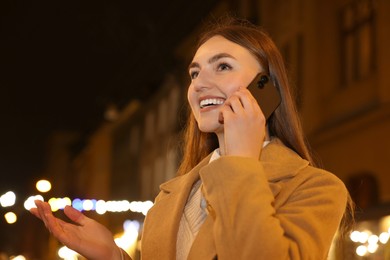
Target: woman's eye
(194,74)
(224,66)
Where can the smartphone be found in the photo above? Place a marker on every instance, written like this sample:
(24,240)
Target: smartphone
(266,94)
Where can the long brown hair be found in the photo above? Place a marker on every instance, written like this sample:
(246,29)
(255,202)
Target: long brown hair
(284,123)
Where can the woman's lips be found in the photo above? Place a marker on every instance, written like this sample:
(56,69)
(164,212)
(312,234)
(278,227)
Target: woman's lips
(207,102)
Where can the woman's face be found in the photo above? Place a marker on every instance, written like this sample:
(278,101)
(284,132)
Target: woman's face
(219,68)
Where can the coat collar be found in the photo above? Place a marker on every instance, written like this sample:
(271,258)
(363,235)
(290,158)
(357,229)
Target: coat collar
(279,162)
(181,182)
(161,232)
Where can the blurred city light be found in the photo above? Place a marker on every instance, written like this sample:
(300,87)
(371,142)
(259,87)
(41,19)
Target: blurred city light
(384,237)
(19,257)
(128,240)
(67,254)
(99,206)
(355,236)
(43,185)
(77,204)
(361,250)
(384,223)
(371,248)
(370,242)
(10,217)
(59,203)
(373,239)
(88,205)
(8,199)
(364,236)
(29,203)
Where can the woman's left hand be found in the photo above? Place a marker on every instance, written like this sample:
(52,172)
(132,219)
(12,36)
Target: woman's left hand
(244,125)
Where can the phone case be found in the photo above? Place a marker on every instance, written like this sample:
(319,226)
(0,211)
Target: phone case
(266,94)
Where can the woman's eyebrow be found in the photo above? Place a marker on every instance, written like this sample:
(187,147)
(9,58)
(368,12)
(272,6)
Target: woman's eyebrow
(213,59)
(193,65)
(220,56)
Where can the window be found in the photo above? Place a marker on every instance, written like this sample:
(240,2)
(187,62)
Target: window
(357,41)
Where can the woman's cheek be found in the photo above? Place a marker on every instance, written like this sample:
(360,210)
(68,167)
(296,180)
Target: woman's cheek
(232,87)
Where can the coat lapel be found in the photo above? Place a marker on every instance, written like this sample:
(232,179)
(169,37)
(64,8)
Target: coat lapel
(279,163)
(160,233)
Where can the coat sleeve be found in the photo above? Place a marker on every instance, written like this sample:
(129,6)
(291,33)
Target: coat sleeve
(247,225)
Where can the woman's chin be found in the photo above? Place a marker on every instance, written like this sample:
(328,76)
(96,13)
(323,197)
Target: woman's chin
(211,129)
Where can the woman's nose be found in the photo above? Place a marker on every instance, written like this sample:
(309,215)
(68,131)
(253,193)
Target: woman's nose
(202,82)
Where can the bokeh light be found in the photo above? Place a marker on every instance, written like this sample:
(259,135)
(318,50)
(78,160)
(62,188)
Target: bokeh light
(29,203)
(361,250)
(43,186)
(8,199)
(68,254)
(10,217)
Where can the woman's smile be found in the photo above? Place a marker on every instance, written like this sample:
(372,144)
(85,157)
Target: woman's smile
(208,102)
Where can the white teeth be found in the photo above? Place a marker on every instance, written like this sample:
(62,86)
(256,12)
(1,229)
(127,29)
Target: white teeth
(210,101)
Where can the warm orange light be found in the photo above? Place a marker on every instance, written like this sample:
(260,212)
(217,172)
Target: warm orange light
(43,186)
(10,217)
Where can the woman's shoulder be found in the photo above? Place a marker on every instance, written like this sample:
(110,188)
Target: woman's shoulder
(322,177)
(301,171)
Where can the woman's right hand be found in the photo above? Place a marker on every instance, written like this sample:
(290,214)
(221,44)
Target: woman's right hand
(85,236)
(244,125)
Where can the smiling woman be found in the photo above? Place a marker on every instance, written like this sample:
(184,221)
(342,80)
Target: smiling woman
(247,187)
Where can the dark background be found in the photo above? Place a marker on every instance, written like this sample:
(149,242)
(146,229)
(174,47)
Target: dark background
(63,62)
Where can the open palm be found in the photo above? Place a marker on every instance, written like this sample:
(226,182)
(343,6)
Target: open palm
(85,236)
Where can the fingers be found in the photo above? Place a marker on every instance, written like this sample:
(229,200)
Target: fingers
(53,224)
(44,211)
(244,125)
(234,103)
(66,233)
(43,208)
(75,215)
(38,211)
(241,102)
(35,212)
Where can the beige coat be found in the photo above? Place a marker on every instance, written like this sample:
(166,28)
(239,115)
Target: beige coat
(275,208)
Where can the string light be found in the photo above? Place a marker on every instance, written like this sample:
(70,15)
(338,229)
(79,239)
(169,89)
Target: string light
(100,206)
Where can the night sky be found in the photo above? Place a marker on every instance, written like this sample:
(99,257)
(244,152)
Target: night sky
(55,70)
(62,62)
